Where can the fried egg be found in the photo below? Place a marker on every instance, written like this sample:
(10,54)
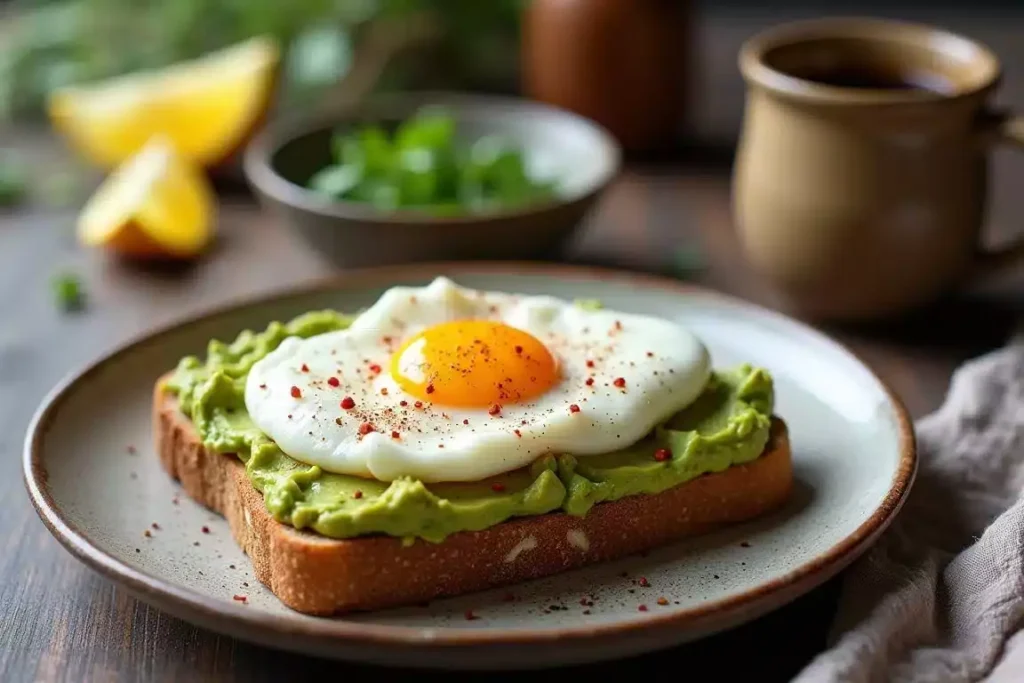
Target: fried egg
(444,383)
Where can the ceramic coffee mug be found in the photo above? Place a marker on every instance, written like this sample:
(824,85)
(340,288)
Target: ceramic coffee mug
(861,177)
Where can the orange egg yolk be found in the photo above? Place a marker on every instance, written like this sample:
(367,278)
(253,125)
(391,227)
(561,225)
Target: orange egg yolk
(474,364)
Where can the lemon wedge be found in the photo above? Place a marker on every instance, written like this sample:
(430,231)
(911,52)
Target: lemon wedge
(157,204)
(208,107)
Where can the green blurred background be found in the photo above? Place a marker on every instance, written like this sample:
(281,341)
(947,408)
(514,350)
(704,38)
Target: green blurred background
(457,44)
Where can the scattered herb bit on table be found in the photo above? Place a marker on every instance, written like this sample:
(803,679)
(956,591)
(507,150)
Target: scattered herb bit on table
(425,166)
(67,290)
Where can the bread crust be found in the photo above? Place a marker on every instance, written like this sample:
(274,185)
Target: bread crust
(322,576)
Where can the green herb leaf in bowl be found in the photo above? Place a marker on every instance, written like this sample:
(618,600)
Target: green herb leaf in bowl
(425,167)
(336,181)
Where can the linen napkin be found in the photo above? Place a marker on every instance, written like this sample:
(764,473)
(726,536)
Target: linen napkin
(940,597)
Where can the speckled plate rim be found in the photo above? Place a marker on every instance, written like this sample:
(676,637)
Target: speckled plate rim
(192,605)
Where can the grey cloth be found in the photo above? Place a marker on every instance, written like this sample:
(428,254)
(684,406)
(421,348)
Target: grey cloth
(940,597)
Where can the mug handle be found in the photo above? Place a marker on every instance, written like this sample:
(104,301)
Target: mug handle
(1004,128)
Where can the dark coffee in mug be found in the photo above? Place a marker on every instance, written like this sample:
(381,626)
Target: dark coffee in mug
(865,76)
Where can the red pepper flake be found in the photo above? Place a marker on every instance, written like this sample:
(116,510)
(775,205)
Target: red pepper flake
(590,363)
(470,616)
(131,450)
(156,526)
(395,435)
(494,410)
(662,601)
(357,494)
(517,433)
(206,529)
(263,386)
(662,454)
(333,381)
(296,392)
(618,325)
(239,598)
(573,408)
(147,533)
(383,391)
(644,583)
(619,382)
(465,422)
(430,388)
(642,608)
(403,403)
(348,403)
(417,404)
(374,368)
(305,368)
(519,349)
(650,354)
(365,429)
(590,382)
(497,487)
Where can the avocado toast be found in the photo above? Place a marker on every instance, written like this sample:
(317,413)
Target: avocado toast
(328,541)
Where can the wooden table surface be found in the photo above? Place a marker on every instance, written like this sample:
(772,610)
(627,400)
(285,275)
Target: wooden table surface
(60,621)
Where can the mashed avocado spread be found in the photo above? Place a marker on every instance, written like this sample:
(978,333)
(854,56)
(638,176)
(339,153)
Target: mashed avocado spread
(727,425)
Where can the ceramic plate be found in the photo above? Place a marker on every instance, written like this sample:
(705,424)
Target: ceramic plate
(95,480)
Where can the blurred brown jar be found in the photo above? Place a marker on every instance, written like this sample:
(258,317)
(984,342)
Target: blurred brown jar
(622,63)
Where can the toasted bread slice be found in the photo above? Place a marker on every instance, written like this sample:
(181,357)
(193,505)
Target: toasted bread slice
(318,575)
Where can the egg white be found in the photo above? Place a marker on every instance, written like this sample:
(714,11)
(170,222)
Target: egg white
(665,367)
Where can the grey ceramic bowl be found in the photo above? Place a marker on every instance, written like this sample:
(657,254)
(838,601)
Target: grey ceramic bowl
(582,155)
